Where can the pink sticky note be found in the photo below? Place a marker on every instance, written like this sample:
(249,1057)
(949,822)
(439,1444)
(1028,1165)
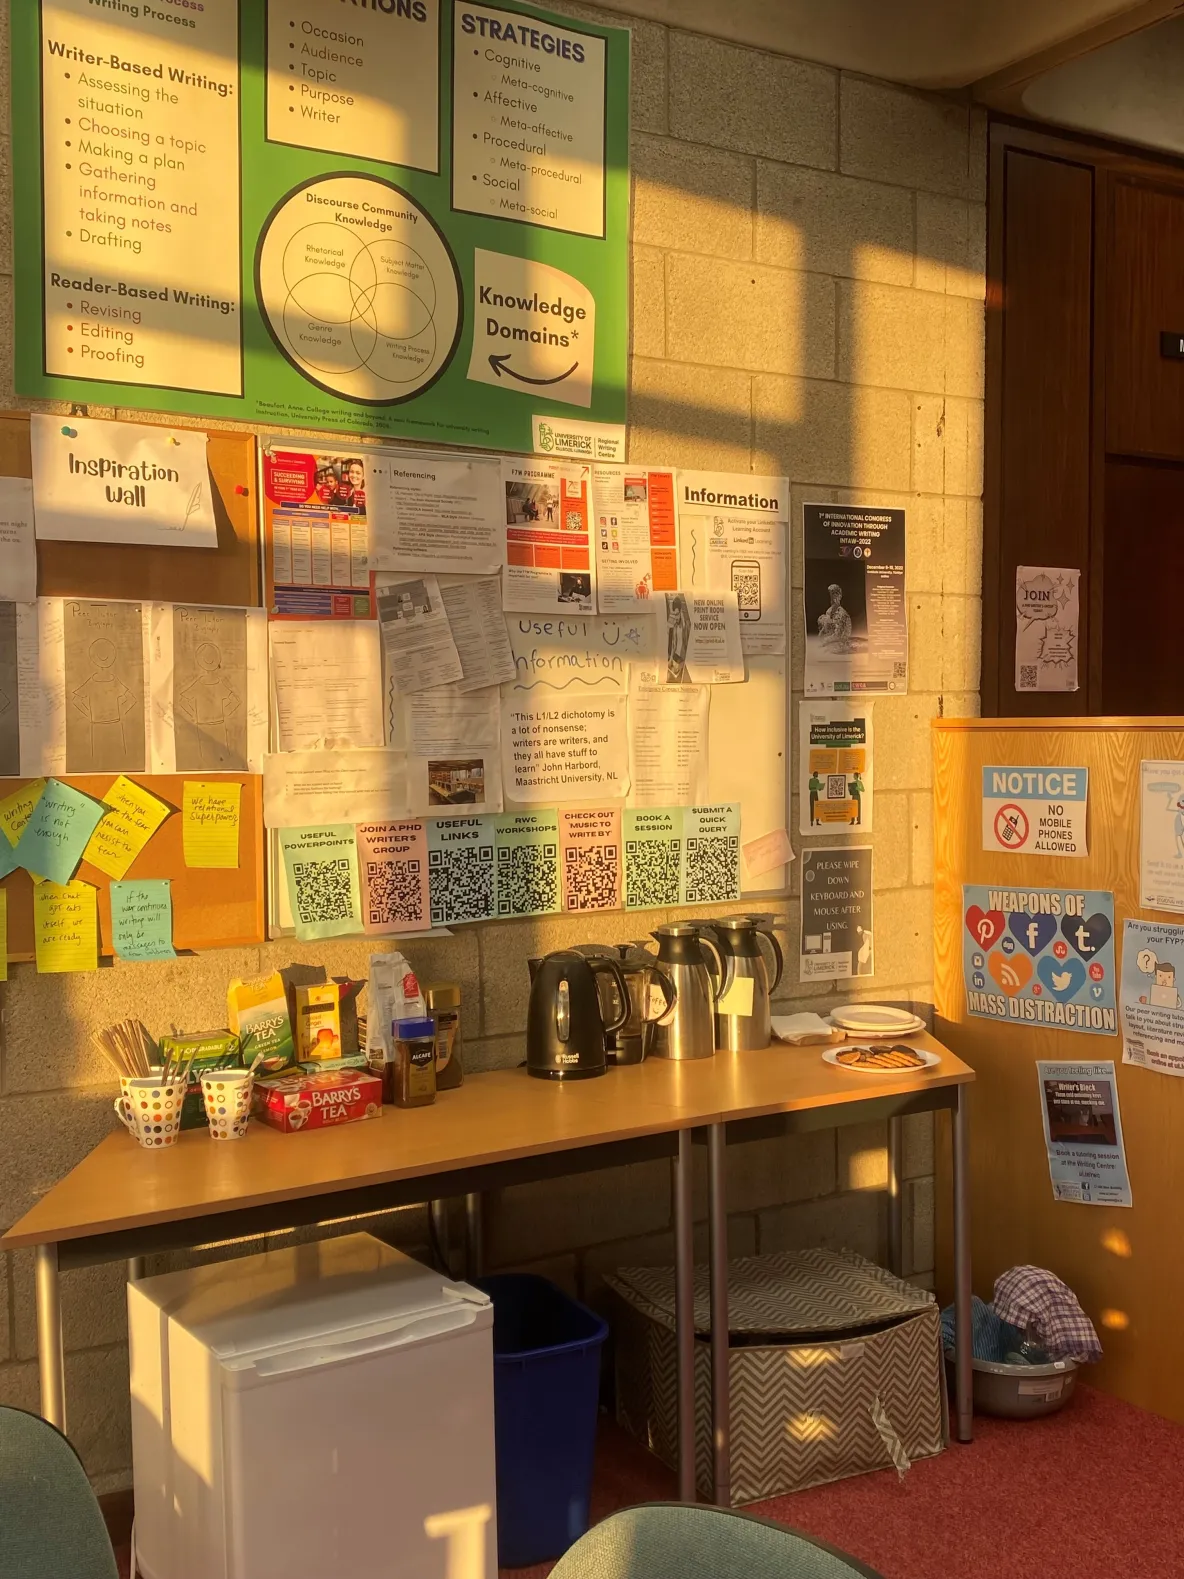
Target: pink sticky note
(770,850)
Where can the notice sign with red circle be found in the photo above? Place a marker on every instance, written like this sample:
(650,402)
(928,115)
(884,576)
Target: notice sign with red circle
(1011,826)
(1035,810)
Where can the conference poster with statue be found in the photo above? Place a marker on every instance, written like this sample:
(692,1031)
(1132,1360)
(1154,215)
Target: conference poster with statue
(857,637)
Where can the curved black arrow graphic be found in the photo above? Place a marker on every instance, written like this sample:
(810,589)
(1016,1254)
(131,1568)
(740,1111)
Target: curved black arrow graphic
(498,363)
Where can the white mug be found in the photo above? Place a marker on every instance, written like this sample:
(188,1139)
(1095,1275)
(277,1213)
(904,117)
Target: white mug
(150,1109)
(227,1096)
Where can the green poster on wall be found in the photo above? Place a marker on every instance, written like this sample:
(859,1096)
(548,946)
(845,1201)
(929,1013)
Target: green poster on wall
(389,216)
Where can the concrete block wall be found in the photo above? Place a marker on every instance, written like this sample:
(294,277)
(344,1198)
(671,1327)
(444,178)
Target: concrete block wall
(808,299)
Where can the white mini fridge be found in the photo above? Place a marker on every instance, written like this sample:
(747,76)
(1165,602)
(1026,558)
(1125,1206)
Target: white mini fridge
(320,1412)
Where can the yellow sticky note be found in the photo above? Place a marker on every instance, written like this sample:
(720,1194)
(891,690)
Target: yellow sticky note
(209,822)
(3,934)
(132,818)
(65,926)
(17,808)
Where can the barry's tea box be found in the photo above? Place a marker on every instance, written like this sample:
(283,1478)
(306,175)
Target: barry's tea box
(316,1101)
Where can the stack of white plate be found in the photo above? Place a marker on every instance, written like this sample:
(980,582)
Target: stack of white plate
(869,1020)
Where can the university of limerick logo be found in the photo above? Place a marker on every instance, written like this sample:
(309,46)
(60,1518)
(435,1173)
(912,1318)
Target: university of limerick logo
(546,437)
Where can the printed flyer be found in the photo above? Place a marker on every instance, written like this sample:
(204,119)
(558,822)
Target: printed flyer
(1047,621)
(1083,1133)
(835,765)
(857,638)
(837,912)
(1040,956)
(404,218)
(732,538)
(1161,835)
(1149,996)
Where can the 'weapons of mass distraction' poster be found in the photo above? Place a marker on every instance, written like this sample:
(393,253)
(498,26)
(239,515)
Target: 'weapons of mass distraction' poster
(1040,956)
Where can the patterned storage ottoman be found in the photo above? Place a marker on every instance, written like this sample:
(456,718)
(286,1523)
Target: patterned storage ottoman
(836,1369)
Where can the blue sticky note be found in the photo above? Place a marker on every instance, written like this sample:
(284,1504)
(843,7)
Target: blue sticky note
(8,860)
(57,832)
(142,919)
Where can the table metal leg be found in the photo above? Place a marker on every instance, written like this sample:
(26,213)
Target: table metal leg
(51,1348)
(721,1402)
(963,1337)
(684,1312)
(474,1247)
(895,1196)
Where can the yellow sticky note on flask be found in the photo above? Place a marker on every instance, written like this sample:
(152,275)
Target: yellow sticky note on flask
(3,934)
(132,817)
(209,823)
(738,998)
(17,808)
(65,926)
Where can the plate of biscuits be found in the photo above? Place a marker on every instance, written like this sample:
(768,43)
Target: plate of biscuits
(896,1058)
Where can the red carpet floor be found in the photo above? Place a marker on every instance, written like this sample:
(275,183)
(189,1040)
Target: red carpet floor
(1091,1493)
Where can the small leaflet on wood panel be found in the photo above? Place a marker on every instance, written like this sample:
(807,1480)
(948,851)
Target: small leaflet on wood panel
(1150,1004)
(1083,1133)
(1047,628)
(1161,836)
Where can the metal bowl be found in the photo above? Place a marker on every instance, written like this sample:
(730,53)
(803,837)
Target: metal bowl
(1020,1392)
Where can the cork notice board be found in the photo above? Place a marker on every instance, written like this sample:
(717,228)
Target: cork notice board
(212,908)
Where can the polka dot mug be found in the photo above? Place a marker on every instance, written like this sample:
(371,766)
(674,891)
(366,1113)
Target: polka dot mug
(150,1109)
(227,1096)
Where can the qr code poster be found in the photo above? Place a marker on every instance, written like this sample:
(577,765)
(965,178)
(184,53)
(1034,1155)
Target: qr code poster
(837,913)
(526,857)
(1047,628)
(460,870)
(653,856)
(393,862)
(711,854)
(590,858)
(322,871)
(857,639)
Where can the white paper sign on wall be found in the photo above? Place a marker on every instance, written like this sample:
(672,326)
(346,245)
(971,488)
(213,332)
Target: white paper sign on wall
(1035,811)
(121,482)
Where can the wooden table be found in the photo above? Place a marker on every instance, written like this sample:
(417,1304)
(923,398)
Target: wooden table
(123,1202)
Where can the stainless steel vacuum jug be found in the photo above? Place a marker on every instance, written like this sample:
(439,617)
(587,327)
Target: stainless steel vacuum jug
(742,1019)
(700,974)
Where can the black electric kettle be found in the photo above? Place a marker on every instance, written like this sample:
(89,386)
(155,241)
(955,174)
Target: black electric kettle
(565,1029)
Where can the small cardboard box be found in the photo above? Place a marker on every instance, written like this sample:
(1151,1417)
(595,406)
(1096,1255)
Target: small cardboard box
(317,1101)
(835,1366)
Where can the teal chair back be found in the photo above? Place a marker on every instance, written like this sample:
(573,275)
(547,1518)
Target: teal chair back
(678,1540)
(50,1523)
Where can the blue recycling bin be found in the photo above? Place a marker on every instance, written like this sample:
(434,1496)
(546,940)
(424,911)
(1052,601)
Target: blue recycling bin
(546,1383)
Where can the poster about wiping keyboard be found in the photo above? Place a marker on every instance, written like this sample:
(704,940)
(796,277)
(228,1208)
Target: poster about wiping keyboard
(1083,1133)
(1040,956)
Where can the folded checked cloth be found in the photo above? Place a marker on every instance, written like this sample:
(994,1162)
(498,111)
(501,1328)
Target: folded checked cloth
(1032,1299)
(991,1337)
